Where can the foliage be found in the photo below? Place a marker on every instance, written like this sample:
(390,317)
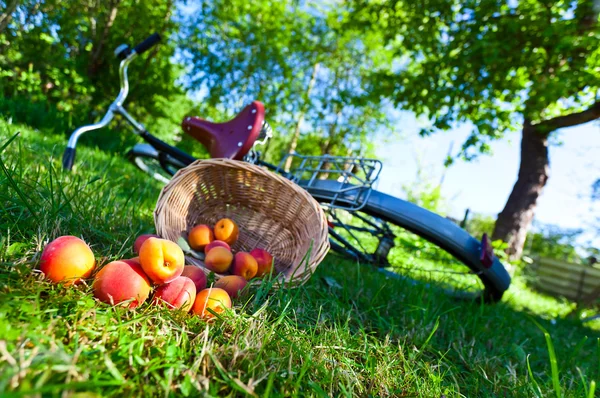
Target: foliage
(553,242)
(478,224)
(271,51)
(456,63)
(58,56)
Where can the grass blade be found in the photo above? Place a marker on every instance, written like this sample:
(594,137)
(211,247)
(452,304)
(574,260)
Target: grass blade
(553,361)
(7,143)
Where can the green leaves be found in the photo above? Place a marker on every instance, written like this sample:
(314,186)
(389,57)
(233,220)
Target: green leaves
(489,62)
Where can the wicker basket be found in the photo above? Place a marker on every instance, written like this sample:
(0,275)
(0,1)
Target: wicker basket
(272,213)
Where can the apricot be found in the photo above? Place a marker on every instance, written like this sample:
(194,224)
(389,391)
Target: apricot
(244,265)
(218,259)
(67,259)
(140,241)
(264,260)
(179,293)
(200,236)
(161,259)
(196,275)
(216,243)
(232,284)
(212,298)
(120,281)
(226,230)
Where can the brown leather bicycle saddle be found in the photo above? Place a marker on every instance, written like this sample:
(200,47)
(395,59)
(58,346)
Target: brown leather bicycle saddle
(232,139)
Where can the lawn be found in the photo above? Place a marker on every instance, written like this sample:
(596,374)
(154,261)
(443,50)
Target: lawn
(369,336)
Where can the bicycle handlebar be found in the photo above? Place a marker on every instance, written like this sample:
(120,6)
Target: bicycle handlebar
(116,106)
(147,44)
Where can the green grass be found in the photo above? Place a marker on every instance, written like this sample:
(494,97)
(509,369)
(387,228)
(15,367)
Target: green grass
(371,336)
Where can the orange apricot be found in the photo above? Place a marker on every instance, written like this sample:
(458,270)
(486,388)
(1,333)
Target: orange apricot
(212,298)
(162,260)
(140,241)
(67,259)
(218,259)
(244,265)
(226,230)
(200,236)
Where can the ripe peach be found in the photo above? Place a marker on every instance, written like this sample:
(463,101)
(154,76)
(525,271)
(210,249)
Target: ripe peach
(264,260)
(196,275)
(140,241)
(226,230)
(212,298)
(218,259)
(67,259)
(161,259)
(179,293)
(232,284)
(200,236)
(216,243)
(122,280)
(244,265)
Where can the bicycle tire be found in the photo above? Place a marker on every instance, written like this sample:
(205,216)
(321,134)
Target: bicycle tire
(434,228)
(147,159)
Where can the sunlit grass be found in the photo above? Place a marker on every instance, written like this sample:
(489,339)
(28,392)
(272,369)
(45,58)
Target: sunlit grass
(366,335)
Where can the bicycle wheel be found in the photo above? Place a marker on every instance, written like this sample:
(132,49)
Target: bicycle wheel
(159,166)
(387,232)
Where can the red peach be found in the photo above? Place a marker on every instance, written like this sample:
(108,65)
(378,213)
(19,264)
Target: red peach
(244,265)
(122,280)
(140,241)
(264,260)
(179,293)
(232,284)
(196,275)
(67,259)
(161,259)
(216,243)
(212,298)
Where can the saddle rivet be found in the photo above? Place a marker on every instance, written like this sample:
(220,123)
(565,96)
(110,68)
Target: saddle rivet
(249,127)
(240,144)
(253,110)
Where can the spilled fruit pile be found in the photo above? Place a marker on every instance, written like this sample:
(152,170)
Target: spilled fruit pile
(160,267)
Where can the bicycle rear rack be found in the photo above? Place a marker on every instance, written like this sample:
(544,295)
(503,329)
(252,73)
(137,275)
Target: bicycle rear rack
(355,175)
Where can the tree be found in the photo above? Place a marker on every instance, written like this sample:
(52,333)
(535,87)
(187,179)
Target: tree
(296,58)
(61,54)
(499,65)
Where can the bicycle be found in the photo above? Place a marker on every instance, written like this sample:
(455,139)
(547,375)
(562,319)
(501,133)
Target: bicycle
(363,222)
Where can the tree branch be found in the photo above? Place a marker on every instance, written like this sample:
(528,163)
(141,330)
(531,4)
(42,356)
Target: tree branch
(6,16)
(574,119)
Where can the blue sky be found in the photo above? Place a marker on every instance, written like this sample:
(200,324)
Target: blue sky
(484,184)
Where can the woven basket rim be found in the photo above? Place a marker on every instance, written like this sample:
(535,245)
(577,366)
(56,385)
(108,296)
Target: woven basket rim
(296,274)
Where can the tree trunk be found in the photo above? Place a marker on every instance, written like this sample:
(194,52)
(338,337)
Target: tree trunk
(98,46)
(514,221)
(296,136)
